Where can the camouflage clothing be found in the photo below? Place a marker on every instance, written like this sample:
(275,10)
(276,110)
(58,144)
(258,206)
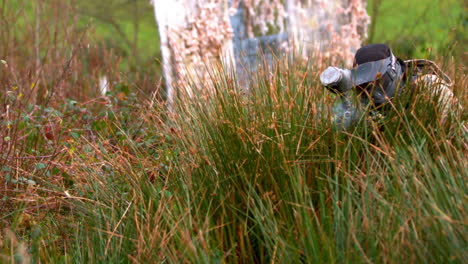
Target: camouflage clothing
(427,74)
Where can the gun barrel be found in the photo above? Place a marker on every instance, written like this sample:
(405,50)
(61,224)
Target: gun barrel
(336,80)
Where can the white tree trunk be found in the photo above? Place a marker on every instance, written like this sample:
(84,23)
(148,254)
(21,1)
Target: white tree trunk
(168,13)
(193,33)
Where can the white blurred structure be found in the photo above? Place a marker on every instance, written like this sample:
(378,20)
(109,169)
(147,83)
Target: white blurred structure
(194,33)
(103,85)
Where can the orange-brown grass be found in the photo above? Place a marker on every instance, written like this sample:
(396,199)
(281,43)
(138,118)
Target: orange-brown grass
(257,174)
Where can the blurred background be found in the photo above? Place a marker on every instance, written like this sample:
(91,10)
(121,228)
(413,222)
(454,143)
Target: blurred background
(107,37)
(420,28)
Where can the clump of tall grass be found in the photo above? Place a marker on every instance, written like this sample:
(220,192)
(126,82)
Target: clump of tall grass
(269,171)
(262,175)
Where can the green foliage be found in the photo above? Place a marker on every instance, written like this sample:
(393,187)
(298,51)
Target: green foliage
(128,27)
(419,29)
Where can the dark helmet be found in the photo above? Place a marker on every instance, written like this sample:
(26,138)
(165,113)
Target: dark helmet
(377,73)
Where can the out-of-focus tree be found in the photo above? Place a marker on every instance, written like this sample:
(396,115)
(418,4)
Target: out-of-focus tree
(194,33)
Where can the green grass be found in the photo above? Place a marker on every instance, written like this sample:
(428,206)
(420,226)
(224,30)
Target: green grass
(261,177)
(128,27)
(125,28)
(419,28)
(236,176)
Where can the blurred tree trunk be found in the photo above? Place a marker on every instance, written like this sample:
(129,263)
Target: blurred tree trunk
(194,32)
(192,36)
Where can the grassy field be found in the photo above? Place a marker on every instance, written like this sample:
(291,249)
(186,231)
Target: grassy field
(263,178)
(422,28)
(227,178)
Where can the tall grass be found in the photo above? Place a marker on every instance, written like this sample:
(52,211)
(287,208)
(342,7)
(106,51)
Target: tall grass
(251,175)
(281,184)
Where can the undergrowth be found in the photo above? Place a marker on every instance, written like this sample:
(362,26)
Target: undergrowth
(235,175)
